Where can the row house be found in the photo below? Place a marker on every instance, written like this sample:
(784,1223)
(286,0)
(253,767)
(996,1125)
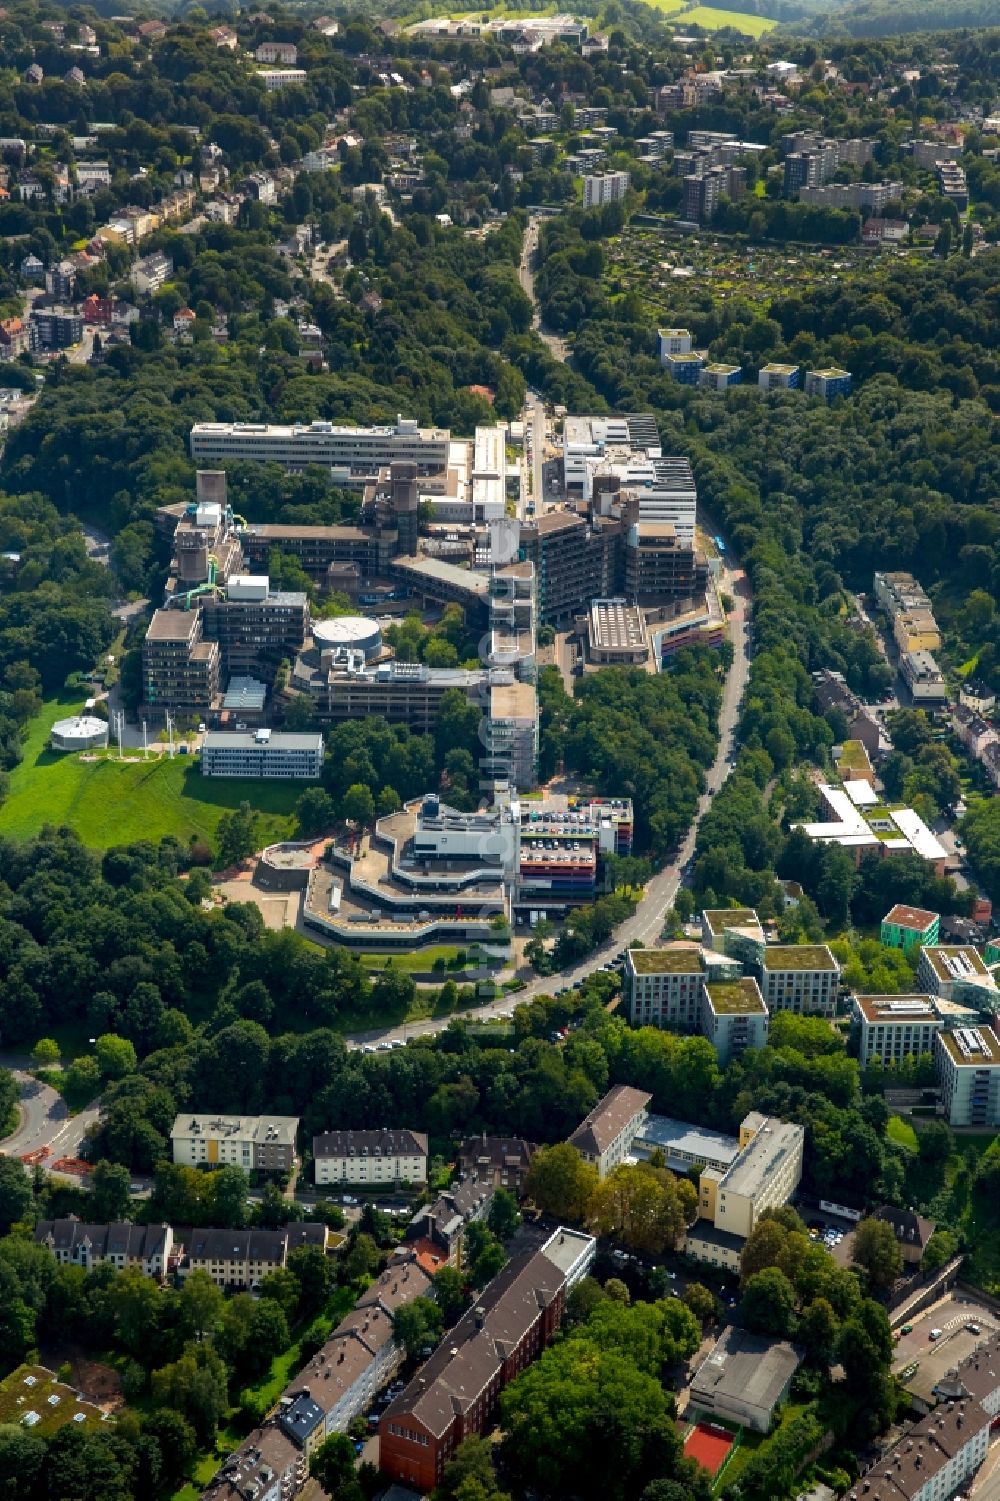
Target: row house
(243,1258)
(456,1393)
(121,1245)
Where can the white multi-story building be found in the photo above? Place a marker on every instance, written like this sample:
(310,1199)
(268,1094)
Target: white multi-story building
(968,1066)
(604,187)
(934,1460)
(273,754)
(956,972)
(801,977)
(261,1143)
(354,455)
(662,987)
(733,1017)
(894,1027)
(673,341)
(281,78)
(277,52)
(511,734)
(605,1136)
(378,1157)
(122,1245)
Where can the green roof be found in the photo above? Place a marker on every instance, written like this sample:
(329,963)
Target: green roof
(720,918)
(798,956)
(854,755)
(665,961)
(733,997)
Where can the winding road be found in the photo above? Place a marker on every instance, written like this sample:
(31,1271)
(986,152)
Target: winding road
(45,1120)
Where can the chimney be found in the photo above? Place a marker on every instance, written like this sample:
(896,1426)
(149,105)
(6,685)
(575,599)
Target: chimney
(480,1315)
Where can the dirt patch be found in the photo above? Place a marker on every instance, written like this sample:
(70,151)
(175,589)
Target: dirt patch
(99,1383)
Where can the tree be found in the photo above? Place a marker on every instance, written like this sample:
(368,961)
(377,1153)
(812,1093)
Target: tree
(417,1324)
(45,1053)
(332,1465)
(503,1218)
(767,1304)
(939,1249)
(200,1305)
(560,1182)
(449,1293)
(83,1077)
(358,805)
(876,1251)
(115,1055)
(230,1187)
(176,1440)
(818,1328)
(110,1192)
(643,1207)
(701,1301)
(236,835)
(15,1192)
(315,811)
(137,1303)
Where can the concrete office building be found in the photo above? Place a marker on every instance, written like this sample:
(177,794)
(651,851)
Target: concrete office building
(276,755)
(374,1157)
(968,1068)
(661,569)
(733,1017)
(763,1175)
(743,1379)
(341,687)
(673,341)
(180,669)
(257,627)
(258,1143)
(735,931)
(605,1136)
(616,634)
(354,455)
(510,731)
(802,977)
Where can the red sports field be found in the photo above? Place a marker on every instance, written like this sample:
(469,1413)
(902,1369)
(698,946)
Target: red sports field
(708,1445)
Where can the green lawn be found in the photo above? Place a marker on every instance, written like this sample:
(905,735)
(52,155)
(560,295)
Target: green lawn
(902,1133)
(667,7)
(110,802)
(714,20)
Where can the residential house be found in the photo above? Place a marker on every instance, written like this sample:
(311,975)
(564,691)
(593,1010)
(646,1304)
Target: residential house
(386,1156)
(258,1143)
(122,1245)
(605,1135)
(911,1230)
(440,1227)
(457,1391)
(504,1160)
(33,74)
(277,52)
(14,338)
(240,1258)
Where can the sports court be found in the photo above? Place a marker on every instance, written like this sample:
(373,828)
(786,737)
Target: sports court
(709,1445)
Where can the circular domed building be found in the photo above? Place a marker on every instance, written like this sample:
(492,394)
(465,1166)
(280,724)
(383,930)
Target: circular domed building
(81,732)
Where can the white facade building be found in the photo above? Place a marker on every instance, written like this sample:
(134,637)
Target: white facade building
(605,1136)
(968,1065)
(378,1157)
(604,187)
(352,454)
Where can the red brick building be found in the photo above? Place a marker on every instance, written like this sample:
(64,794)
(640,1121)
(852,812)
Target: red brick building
(457,1391)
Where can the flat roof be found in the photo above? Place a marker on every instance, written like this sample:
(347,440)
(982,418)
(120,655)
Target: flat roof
(861,793)
(693,1141)
(721,918)
(787,956)
(445,573)
(171,625)
(677,960)
(772,1142)
(513,701)
(748,1369)
(277,740)
(939,955)
(897,1009)
(735,997)
(972,1047)
(918,918)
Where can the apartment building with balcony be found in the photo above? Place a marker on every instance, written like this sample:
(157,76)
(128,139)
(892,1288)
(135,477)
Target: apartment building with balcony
(383,1157)
(733,1017)
(892,1028)
(258,1143)
(957,973)
(968,1068)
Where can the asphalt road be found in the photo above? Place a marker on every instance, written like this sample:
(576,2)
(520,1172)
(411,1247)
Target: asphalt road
(526,274)
(46,1122)
(645,925)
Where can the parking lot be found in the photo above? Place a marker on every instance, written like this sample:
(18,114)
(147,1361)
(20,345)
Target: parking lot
(957,1317)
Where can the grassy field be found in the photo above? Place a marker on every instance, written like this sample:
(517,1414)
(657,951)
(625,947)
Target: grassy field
(110,802)
(714,20)
(902,1133)
(666,7)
